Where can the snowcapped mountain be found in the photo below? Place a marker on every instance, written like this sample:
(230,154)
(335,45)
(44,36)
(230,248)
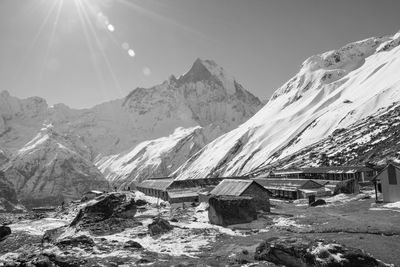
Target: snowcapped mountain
(150,132)
(52,168)
(333,90)
(154,158)
(205,96)
(20,119)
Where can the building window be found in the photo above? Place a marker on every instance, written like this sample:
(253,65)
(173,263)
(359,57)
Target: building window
(392,175)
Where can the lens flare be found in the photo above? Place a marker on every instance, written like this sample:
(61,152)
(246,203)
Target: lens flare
(125,46)
(110,27)
(131,53)
(146,71)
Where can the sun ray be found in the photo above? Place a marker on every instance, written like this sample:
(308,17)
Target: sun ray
(100,47)
(150,13)
(34,41)
(51,39)
(89,42)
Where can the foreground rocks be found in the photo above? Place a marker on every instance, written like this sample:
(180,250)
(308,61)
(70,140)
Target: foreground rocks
(4,231)
(159,226)
(228,210)
(308,253)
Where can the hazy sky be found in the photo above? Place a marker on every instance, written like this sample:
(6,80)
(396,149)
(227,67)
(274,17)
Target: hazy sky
(76,51)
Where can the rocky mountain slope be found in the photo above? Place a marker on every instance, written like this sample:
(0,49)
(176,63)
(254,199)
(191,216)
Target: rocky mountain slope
(154,158)
(374,139)
(333,90)
(51,168)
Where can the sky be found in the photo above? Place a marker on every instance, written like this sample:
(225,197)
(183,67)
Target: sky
(84,52)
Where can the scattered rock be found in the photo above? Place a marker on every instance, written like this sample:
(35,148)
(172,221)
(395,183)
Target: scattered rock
(45,260)
(78,241)
(228,210)
(318,202)
(4,231)
(159,226)
(140,202)
(132,244)
(143,261)
(174,220)
(304,252)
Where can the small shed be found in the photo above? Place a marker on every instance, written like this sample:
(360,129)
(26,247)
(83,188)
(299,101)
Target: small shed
(389,181)
(234,187)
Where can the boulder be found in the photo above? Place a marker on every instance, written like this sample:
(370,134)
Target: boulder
(304,252)
(110,213)
(228,210)
(159,226)
(4,231)
(104,207)
(77,241)
(132,244)
(318,202)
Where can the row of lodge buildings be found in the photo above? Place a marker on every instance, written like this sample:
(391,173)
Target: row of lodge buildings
(284,184)
(331,173)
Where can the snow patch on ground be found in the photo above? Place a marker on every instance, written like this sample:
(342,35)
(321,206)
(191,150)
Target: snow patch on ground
(38,227)
(286,222)
(395,206)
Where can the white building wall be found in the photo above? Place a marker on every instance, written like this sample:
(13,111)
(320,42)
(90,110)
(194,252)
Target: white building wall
(390,192)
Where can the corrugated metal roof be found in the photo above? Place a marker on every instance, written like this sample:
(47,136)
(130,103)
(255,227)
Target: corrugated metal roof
(291,183)
(158,184)
(230,187)
(337,169)
(281,182)
(330,169)
(182,194)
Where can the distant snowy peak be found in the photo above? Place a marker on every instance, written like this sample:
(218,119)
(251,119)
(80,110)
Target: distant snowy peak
(204,95)
(208,70)
(331,66)
(50,139)
(52,168)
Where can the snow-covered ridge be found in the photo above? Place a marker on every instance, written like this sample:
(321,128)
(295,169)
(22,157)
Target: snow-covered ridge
(52,168)
(150,132)
(331,91)
(154,158)
(205,95)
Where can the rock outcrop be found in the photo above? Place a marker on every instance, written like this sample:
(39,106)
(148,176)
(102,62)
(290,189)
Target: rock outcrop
(309,253)
(108,213)
(228,210)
